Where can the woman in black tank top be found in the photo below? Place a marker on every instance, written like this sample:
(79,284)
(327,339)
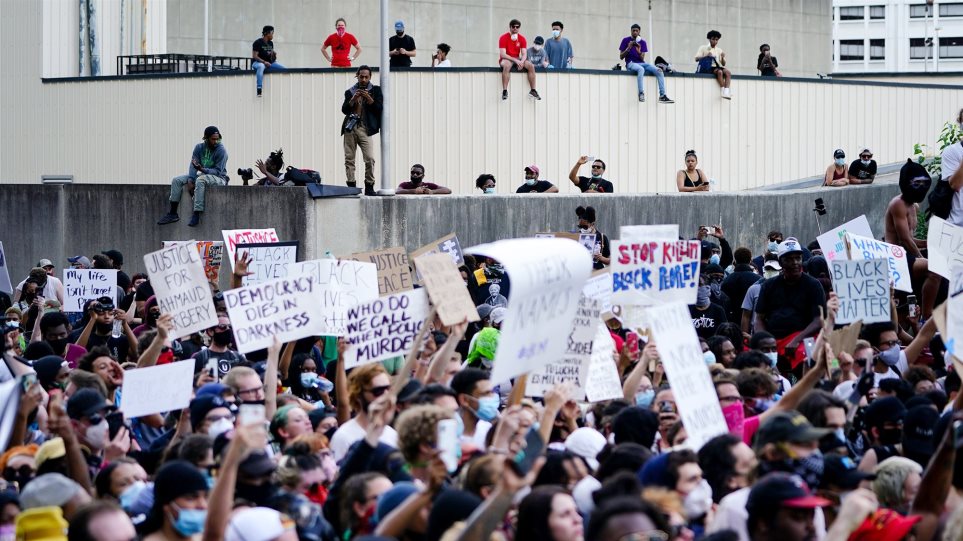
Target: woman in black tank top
(691,179)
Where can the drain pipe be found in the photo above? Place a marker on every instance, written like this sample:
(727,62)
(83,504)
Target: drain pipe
(143,26)
(93,7)
(81,61)
(387,188)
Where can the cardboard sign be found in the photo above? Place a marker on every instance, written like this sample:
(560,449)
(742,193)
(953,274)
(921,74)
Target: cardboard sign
(448,244)
(574,364)
(385,327)
(647,273)
(944,242)
(394,275)
(547,278)
(287,308)
(157,389)
(649,232)
(602,382)
(446,288)
(211,252)
(866,248)
(233,237)
(684,366)
(269,260)
(181,287)
(338,285)
(5,285)
(82,285)
(863,290)
(833,242)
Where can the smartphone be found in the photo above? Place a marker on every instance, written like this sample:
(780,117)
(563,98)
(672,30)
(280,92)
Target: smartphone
(912,308)
(524,460)
(632,341)
(448,443)
(809,344)
(250,414)
(28,380)
(590,159)
(709,229)
(115,420)
(212,368)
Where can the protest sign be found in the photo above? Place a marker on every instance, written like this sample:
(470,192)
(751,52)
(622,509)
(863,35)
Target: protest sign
(233,237)
(573,365)
(649,232)
(954,316)
(448,244)
(10,391)
(338,285)
(588,241)
(944,243)
(446,289)
(867,248)
(647,273)
(5,285)
(211,252)
(268,260)
(863,290)
(602,381)
(287,308)
(833,242)
(682,359)
(394,276)
(385,327)
(181,288)
(157,389)
(547,277)
(599,287)
(82,285)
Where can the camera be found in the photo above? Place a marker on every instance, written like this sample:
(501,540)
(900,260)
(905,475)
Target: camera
(820,208)
(246,174)
(352,121)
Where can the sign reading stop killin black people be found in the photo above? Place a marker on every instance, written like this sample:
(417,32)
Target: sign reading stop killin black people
(180,285)
(649,273)
(385,327)
(286,308)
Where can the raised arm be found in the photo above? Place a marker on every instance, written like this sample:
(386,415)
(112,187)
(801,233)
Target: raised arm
(341,385)
(150,355)
(271,379)
(221,500)
(573,175)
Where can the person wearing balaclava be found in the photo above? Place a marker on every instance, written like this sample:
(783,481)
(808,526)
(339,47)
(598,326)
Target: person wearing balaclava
(208,167)
(180,503)
(706,315)
(901,213)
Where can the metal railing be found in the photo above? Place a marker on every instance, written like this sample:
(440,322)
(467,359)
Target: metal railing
(179,63)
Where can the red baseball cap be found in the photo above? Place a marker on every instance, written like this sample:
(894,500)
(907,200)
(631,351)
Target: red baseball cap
(533,169)
(884,525)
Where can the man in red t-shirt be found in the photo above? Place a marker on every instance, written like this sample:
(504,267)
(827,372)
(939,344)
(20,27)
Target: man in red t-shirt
(340,43)
(512,55)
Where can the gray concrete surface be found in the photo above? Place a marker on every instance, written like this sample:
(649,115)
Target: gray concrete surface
(56,222)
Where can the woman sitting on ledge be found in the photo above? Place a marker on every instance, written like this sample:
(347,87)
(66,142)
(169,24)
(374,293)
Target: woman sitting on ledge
(836,173)
(691,179)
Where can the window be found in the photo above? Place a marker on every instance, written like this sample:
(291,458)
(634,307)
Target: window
(851,49)
(877,12)
(851,13)
(951,47)
(877,49)
(919,11)
(951,10)
(918,49)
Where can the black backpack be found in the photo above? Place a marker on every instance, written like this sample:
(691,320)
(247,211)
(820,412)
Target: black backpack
(940,200)
(302,177)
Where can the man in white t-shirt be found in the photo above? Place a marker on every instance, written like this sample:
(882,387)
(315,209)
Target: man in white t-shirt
(365,385)
(951,172)
(53,288)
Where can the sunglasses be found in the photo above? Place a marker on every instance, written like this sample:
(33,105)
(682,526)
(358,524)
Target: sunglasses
(596,167)
(865,156)
(516,26)
(378,391)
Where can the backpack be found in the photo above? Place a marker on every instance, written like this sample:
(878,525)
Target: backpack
(940,200)
(302,177)
(706,65)
(664,65)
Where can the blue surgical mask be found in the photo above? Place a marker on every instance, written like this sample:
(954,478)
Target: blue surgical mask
(487,408)
(840,161)
(489,190)
(530,181)
(773,358)
(190,521)
(714,259)
(596,176)
(865,162)
(773,246)
(763,404)
(644,399)
(890,356)
(308,379)
(702,296)
(129,495)
(709,357)
(556,33)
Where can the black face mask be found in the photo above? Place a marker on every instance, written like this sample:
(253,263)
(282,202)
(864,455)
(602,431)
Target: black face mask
(223,338)
(830,442)
(258,494)
(104,328)
(59,346)
(330,432)
(890,436)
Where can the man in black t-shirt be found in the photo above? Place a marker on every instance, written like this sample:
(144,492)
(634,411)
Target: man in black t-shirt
(593,184)
(533,185)
(401,48)
(863,170)
(264,56)
(706,315)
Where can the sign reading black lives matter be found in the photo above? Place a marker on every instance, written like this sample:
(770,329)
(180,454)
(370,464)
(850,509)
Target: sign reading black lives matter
(385,327)
(286,308)
(180,285)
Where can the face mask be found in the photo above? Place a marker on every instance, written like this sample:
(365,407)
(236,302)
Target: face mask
(514,37)
(773,246)
(840,161)
(831,442)
(487,408)
(770,273)
(223,338)
(129,495)
(340,31)
(59,346)
(716,288)
(699,501)
(96,435)
(400,32)
(809,468)
(537,47)
(702,297)
(714,259)
(530,181)
(190,521)
(890,436)
(763,405)
(258,494)
(890,356)
(773,358)
(735,418)
(308,379)
(644,399)
(219,427)
(556,33)
(104,328)
(209,479)
(489,190)
(865,162)
(709,357)
(596,175)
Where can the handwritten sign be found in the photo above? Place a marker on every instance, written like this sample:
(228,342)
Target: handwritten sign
(863,290)
(944,242)
(647,273)
(574,363)
(833,242)
(385,327)
(448,244)
(5,285)
(599,287)
(446,288)
(338,285)
(649,232)
(602,382)
(394,276)
(269,260)
(82,285)
(684,365)
(181,287)
(211,252)
(547,278)
(866,248)
(954,317)
(157,389)
(286,308)
(233,237)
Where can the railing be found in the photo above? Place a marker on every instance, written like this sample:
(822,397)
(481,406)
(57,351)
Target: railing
(179,63)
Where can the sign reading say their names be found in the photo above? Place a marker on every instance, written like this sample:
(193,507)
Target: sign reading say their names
(446,288)
(157,389)
(547,278)
(573,365)
(833,242)
(233,237)
(646,273)
(286,308)
(385,327)
(338,285)
(944,243)
(268,260)
(863,290)
(82,285)
(5,285)
(867,248)
(181,287)
(394,276)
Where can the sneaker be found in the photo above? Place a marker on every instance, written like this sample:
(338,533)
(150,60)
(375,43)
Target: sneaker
(352,184)
(195,219)
(504,94)
(369,189)
(665,99)
(727,93)
(168,218)
(259,92)
(534,95)
(642,97)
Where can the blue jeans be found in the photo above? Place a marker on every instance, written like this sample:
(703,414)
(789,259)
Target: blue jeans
(259,70)
(641,70)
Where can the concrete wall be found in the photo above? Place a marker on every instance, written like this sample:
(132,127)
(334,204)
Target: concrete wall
(472,28)
(58,222)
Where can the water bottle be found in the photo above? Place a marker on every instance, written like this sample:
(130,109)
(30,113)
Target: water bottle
(323,384)
(117,329)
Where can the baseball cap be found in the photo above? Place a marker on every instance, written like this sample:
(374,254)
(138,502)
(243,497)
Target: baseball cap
(42,523)
(498,315)
(85,403)
(772,264)
(843,472)
(838,153)
(115,256)
(882,410)
(257,524)
(884,525)
(409,391)
(49,450)
(211,130)
(399,25)
(45,263)
(257,464)
(213,389)
(587,443)
(82,259)
(780,489)
(918,432)
(789,246)
(707,247)
(202,405)
(49,489)
(539,40)
(788,426)
(713,269)
(866,151)
(533,168)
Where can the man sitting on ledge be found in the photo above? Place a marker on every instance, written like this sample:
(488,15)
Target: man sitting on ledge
(208,168)
(417,185)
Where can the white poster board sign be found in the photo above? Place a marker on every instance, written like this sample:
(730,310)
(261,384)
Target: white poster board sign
(602,381)
(157,389)
(944,242)
(286,308)
(339,284)
(647,273)
(682,359)
(649,232)
(268,260)
(954,316)
(385,327)
(180,285)
(5,285)
(233,237)
(547,278)
(867,248)
(573,365)
(599,287)
(863,290)
(833,242)
(82,285)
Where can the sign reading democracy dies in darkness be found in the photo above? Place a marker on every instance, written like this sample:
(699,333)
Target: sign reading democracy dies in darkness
(863,290)
(180,285)
(286,308)
(82,285)
(647,273)
(385,327)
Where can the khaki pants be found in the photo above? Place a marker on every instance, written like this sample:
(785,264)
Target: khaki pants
(352,140)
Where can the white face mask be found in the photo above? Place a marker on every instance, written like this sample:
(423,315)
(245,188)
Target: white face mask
(96,435)
(699,501)
(556,33)
(537,47)
(219,427)
(514,37)
(530,181)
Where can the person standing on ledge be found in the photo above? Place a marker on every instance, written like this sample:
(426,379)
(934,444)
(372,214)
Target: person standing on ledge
(362,119)
(401,47)
(340,42)
(208,168)
(265,57)
(593,184)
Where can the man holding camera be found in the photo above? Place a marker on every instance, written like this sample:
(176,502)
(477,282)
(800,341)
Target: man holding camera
(362,110)
(208,168)
(264,56)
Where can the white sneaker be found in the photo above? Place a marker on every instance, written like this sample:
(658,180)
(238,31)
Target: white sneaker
(727,93)
(722,92)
